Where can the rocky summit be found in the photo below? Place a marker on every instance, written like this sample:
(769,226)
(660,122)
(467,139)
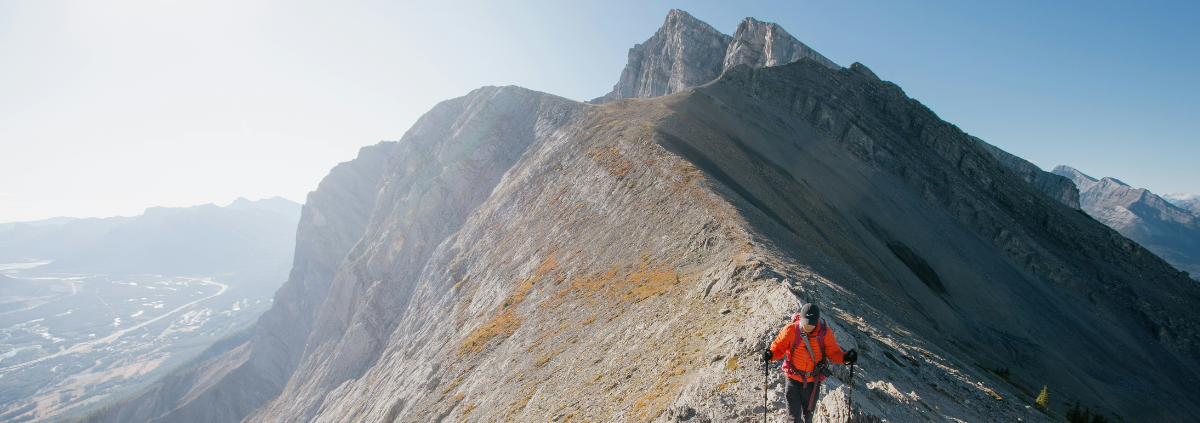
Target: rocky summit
(518,256)
(687,52)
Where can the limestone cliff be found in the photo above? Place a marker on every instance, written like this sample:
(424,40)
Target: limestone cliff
(760,44)
(687,52)
(684,53)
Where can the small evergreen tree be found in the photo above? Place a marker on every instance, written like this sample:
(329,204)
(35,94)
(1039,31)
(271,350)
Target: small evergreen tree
(1043,399)
(1075,415)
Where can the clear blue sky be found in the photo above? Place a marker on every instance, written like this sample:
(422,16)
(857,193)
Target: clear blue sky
(107,108)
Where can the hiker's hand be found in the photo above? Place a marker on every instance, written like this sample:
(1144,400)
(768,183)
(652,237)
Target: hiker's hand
(766,355)
(850,357)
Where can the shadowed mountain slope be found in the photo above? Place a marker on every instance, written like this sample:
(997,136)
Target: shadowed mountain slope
(1162,227)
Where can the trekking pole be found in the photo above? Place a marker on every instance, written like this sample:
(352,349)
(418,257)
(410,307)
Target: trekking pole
(850,398)
(766,384)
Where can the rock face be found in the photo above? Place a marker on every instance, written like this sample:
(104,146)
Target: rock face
(684,53)
(1162,227)
(687,52)
(530,258)
(1058,187)
(760,44)
(444,168)
(1082,181)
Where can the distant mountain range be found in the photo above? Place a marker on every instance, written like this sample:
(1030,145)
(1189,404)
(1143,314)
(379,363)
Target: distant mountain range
(1189,202)
(53,221)
(1168,226)
(203,239)
(1170,230)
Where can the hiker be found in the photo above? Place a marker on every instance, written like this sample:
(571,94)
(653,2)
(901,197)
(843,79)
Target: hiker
(808,345)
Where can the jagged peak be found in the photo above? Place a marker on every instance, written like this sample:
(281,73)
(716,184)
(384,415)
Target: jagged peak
(687,52)
(750,24)
(679,21)
(683,16)
(758,44)
(1074,171)
(1081,179)
(863,70)
(1112,180)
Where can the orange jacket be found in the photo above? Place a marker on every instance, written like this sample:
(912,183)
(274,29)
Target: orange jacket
(800,358)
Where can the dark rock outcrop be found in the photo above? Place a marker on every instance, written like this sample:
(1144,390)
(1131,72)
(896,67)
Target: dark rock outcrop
(1056,186)
(1082,181)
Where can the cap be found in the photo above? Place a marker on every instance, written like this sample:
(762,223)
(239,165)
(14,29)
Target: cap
(809,315)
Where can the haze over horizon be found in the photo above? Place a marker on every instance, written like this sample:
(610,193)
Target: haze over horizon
(107,109)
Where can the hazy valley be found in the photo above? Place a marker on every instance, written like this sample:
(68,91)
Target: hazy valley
(83,329)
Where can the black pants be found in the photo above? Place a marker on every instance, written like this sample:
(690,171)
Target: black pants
(798,397)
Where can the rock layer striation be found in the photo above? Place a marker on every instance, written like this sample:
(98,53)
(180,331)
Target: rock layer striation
(1057,186)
